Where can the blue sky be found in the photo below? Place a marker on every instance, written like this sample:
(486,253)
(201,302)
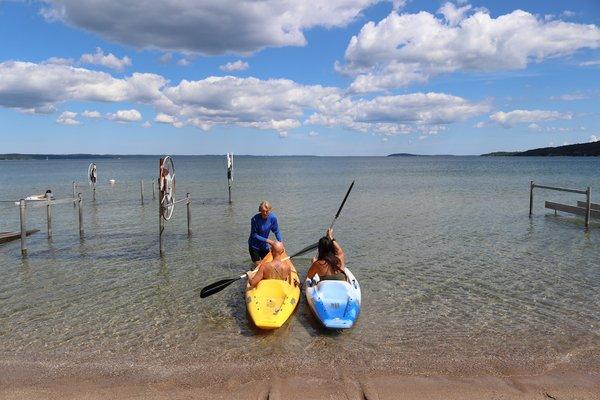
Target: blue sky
(329,77)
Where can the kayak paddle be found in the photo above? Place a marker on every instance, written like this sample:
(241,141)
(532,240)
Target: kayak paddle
(223,283)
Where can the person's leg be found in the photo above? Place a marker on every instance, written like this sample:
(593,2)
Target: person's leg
(255,256)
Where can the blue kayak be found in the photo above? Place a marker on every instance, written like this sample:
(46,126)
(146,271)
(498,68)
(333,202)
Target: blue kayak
(335,303)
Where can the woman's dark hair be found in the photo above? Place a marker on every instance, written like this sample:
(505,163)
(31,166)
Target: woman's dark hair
(327,253)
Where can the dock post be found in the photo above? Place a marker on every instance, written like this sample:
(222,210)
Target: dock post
(94,192)
(22,217)
(161,228)
(588,194)
(49,217)
(74,186)
(80,210)
(229,173)
(142,191)
(189,214)
(532,185)
(153,190)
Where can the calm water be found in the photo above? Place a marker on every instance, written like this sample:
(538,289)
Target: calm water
(451,267)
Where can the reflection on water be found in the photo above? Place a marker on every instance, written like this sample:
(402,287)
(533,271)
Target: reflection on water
(449,262)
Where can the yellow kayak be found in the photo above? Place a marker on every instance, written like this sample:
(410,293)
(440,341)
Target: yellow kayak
(272,301)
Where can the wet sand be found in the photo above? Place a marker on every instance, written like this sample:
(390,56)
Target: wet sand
(65,380)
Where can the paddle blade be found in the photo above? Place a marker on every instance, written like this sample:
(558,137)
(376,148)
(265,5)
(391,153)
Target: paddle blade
(305,250)
(217,286)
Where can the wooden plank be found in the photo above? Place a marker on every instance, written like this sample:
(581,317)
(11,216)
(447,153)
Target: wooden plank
(572,209)
(10,236)
(42,203)
(594,206)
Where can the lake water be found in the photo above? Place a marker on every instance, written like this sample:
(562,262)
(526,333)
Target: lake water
(455,276)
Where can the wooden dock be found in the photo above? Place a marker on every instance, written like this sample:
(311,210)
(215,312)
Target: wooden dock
(10,236)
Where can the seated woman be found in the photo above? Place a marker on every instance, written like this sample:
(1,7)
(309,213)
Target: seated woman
(330,261)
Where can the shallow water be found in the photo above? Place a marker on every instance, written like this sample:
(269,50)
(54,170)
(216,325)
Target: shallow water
(450,265)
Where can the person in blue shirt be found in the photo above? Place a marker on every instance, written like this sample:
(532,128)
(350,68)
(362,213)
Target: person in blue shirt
(260,226)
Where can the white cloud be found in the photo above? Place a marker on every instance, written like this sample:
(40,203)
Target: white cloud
(162,118)
(282,134)
(68,118)
(396,114)
(31,87)
(108,60)
(313,133)
(146,124)
(264,104)
(534,127)
(125,116)
(411,48)
(591,63)
(479,125)
(208,27)
(184,62)
(238,65)
(91,114)
(570,97)
(165,58)
(594,138)
(273,104)
(512,118)
(454,14)
(59,61)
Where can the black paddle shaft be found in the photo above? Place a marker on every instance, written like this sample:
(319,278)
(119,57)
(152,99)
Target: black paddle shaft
(342,206)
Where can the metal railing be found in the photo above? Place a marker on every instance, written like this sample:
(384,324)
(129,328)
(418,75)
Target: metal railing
(586,211)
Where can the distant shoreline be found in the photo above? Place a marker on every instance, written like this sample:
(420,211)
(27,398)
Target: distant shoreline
(572,150)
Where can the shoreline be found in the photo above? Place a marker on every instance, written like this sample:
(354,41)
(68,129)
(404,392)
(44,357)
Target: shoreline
(65,380)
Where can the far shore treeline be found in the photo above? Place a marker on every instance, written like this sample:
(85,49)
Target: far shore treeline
(572,150)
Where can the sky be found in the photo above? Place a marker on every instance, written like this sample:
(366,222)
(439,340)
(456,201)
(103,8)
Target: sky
(289,77)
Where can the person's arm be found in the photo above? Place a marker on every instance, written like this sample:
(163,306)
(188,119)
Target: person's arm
(275,229)
(254,278)
(339,253)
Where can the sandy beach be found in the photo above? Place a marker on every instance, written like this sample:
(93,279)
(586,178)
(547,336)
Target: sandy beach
(60,382)
(68,380)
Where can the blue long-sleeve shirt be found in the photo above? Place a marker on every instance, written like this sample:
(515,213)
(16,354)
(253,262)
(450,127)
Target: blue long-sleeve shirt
(259,231)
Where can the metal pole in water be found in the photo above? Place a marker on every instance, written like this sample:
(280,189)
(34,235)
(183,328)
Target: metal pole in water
(80,210)
(142,191)
(94,192)
(161,228)
(189,214)
(153,190)
(531,198)
(588,195)
(229,173)
(22,217)
(49,217)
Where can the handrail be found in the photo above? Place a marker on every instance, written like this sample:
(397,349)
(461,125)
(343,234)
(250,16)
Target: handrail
(559,189)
